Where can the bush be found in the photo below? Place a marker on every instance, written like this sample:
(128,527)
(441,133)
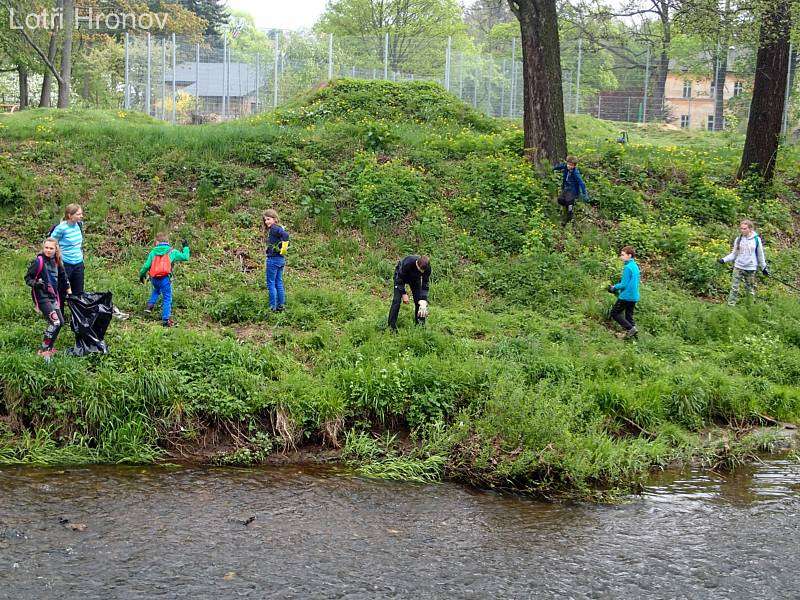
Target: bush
(387,191)
(501,195)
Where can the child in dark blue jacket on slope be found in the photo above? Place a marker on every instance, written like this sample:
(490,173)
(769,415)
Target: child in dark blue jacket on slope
(572,187)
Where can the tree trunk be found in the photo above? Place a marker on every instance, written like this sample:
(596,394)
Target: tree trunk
(46,97)
(22,71)
(543,102)
(766,107)
(663,60)
(721,65)
(656,113)
(66,55)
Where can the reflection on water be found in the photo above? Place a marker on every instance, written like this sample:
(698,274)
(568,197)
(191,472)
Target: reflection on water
(179,533)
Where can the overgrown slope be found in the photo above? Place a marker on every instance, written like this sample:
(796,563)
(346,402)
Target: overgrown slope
(519,380)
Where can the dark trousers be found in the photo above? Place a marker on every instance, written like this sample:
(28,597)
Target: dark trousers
(626,307)
(75,277)
(55,320)
(567,214)
(397,300)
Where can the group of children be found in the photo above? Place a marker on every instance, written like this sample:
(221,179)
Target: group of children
(58,270)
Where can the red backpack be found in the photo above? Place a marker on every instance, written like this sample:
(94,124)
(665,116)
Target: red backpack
(161,266)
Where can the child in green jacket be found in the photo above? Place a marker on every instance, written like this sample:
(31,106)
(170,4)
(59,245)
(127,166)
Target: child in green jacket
(159,267)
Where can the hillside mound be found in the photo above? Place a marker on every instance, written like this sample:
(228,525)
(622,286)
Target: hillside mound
(401,102)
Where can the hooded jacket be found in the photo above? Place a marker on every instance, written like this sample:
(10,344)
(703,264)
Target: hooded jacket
(161,249)
(52,274)
(747,253)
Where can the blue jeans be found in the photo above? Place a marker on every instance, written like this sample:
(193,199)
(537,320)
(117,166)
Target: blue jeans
(162,286)
(274,269)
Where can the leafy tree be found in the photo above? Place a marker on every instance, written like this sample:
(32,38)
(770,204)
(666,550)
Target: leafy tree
(484,16)
(213,12)
(648,26)
(418,30)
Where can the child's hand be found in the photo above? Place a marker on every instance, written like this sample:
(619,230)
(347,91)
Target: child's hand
(141,279)
(405,298)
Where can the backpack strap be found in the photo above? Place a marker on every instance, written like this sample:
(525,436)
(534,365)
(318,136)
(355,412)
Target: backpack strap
(40,268)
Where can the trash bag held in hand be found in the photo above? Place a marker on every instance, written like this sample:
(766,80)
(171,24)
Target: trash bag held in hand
(90,314)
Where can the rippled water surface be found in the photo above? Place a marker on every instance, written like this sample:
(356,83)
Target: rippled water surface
(181,533)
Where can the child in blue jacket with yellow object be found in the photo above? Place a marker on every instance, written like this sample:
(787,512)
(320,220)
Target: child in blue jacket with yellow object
(159,267)
(277,245)
(628,288)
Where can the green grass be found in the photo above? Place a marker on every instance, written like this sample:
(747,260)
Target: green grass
(517,382)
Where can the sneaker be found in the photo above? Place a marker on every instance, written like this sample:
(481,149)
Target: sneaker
(46,354)
(118,314)
(281,308)
(168,323)
(149,308)
(632,332)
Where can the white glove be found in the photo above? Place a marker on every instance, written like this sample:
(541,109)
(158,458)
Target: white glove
(423,309)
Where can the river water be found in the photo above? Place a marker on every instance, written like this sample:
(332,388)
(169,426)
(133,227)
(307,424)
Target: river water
(155,532)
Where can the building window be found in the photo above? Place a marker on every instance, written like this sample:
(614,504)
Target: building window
(687,89)
(738,87)
(711,122)
(684,121)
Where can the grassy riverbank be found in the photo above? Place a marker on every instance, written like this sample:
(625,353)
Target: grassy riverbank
(518,381)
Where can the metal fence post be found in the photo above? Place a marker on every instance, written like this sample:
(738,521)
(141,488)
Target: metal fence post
(475,89)
(277,56)
(646,85)
(513,76)
(174,94)
(461,76)
(578,78)
(330,56)
(149,74)
(503,89)
(787,93)
(197,80)
(258,82)
(224,69)
(447,63)
(126,104)
(228,83)
(386,56)
(163,79)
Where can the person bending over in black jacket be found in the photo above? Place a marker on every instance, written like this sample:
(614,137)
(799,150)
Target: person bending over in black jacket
(415,272)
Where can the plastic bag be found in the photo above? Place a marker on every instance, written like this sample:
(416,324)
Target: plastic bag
(90,314)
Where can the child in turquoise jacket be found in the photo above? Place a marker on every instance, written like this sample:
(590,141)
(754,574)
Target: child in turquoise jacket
(628,288)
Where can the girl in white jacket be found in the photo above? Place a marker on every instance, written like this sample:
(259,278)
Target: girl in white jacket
(747,256)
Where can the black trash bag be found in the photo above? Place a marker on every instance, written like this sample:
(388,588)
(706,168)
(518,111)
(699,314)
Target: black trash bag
(90,314)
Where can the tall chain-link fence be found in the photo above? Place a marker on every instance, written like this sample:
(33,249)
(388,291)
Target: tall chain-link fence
(183,80)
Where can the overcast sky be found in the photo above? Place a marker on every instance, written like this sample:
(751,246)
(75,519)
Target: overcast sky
(281,14)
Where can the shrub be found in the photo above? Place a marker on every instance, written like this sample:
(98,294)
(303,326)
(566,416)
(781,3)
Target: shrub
(388,191)
(501,197)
